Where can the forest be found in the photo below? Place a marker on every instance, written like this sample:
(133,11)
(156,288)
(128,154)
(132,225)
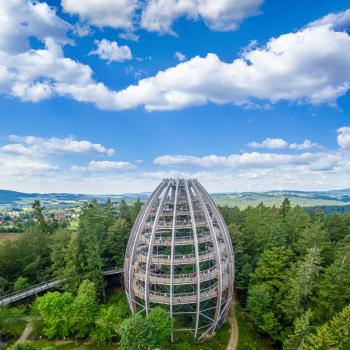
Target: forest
(292,278)
(293,274)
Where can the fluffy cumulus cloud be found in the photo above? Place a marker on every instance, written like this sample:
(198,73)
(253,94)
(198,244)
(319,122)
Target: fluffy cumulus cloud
(104,13)
(316,161)
(38,146)
(23,166)
(129,36)
(159,15)
(105,165)
(307,144)
(311,65)
(270,143)
(279,143)
(180,56)
(21,19)
(111,51)
(339,21)
(318,169)
(344,137)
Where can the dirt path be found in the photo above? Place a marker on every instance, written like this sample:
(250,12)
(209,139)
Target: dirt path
(26,333)
(233,343)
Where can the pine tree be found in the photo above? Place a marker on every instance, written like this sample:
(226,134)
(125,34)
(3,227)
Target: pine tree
(332,335)
(334,291)
(296,340)
(303,282)
(84,254)
(135,209)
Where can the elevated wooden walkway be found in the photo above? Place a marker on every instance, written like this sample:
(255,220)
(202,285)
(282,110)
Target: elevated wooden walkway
(41,287)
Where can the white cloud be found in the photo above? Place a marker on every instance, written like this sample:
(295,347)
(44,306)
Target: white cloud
(81,30)
(249,171)
(129,36)
(308,66)
(307,144)
(21,19)
(339,21)
(236,172)
(343,137)
(250,160)
(35,75)
(105,165)
(103,13)
(270,143)
(23,166)
(38,146)
(159,15)
(180,56)
(278,143)
(111,51)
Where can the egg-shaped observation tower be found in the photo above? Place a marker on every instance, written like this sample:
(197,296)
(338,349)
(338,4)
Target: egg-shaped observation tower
(180,256)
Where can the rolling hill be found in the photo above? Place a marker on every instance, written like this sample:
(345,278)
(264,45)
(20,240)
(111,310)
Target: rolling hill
(241,199)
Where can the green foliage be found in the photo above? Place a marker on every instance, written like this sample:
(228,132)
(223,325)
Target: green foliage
(4,286)
(59,252)
(136,334)
(107,324)
(135,209)
(22,347)
(332,335)
(303,282)
(260,305)
(38,212)
(64,315)
(83,310)
(296,340)
(333,292)
(248,338)
(162,325)
(46,251)
(124,210)
(21,283)
(290,268)
(27,257)
(116,241)
(110,317)
(55,309)
(10,317)
(84,261)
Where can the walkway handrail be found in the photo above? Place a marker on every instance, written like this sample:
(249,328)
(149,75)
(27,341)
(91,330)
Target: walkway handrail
(30,288)
(26,292)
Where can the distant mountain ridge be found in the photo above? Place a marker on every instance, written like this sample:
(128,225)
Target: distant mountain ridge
(240,199)
(276,197)
(14,198)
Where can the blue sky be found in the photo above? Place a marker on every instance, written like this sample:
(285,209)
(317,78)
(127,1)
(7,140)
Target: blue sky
(110,96)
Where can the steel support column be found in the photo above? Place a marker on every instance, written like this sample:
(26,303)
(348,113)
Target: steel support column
(172,255)
(217,254)
(150,246)
(195,238)
(141,219)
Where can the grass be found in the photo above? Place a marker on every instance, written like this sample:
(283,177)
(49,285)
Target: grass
(15,330)
(248,337)
(69,345)
(185,341)
(4,236)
